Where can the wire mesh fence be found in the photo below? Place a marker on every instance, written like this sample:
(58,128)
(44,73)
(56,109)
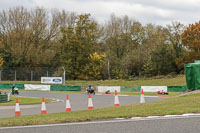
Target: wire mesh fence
(29,74)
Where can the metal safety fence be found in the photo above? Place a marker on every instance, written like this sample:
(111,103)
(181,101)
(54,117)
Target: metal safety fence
(30,74)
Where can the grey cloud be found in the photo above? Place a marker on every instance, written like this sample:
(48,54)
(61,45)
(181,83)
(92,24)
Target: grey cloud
(6,4)
(146,11)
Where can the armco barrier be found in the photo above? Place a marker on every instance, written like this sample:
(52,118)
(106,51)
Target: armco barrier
(154,88)
(65,88)
(39,87)
(176,88)
(9,86)
(3,98)
(130,88)
(106,88)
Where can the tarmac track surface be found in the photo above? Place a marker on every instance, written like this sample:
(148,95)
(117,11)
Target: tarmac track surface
(182,124)
(78,101)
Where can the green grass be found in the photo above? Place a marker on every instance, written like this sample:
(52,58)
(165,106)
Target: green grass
(171,106)
(24,100)
(176,81)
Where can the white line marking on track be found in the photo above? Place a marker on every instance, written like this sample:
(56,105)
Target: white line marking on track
(135,118)
(191,114)
(152,116)
(101,122)
(172,115)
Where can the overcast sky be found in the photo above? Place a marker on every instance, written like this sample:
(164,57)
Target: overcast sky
(158,12)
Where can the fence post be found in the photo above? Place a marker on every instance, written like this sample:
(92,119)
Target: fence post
(31,76)
(0,75)
(63,75)
(15,76)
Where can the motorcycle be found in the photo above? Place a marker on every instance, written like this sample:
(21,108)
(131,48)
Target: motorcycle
(91,91)
(15,90)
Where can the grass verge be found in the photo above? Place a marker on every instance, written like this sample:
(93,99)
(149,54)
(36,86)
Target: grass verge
(175,81)
(171,106)
(24,100)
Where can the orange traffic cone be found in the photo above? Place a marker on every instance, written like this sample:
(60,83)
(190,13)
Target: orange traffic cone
(90,104)
(116,103)
(43,108)
(68,106)
(142,97)
(17,109)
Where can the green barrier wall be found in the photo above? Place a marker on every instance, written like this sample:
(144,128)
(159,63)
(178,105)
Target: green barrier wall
(192,75)
(65,88)
(9,86)
(53,87)
(130,88)
(3,98)
(176,88)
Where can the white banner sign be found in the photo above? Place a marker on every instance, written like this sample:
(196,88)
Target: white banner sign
(51,80)
(37,87)
(106,88)
(154,88)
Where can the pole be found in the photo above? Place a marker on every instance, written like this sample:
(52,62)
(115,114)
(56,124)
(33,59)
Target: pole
(15,76)
(0,75)
(31,76)
(63,75)
(47,73)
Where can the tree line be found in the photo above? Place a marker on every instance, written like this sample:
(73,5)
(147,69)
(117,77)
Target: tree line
(121,48)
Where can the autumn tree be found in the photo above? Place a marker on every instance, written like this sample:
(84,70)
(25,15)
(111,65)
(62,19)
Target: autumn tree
(78,42)
(94,68)
(191,40)
(1,61)
(175,31)
(157,51)
(28,35)
(120,41)
(54,38)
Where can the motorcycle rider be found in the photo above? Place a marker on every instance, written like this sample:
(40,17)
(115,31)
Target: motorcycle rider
(90,89)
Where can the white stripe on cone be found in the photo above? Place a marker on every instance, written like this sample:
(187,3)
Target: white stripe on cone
(90,104)
(142,100)
(68,106)
(116,102)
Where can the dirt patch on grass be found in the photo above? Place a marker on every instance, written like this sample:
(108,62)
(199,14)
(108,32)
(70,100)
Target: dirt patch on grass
(188,93)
